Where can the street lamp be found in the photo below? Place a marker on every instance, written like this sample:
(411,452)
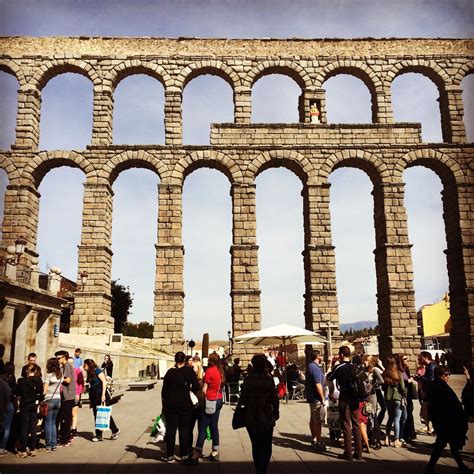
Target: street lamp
(191,344)
(229,335)
(83,279)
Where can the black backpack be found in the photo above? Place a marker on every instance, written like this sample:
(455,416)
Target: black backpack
(361,385)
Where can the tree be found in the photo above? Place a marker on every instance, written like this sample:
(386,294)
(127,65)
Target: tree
(122,301)
(141,329)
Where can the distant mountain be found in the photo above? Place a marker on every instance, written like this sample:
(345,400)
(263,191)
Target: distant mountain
(358,325)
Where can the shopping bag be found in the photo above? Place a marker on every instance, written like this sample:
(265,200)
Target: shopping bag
(154,428)
(102,419)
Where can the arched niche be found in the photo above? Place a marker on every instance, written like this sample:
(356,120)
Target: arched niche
(8,107)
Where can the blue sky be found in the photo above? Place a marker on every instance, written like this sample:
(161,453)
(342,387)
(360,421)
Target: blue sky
(66,124)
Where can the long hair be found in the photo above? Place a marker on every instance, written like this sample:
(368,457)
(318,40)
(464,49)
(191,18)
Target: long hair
(391,375)
(52,367)
(198,369)
(216,362)
(91,366)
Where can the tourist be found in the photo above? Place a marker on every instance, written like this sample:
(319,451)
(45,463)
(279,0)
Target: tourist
(333,418)
(52,396)
(30,391)
(315,398)
(177,405)
(8,405)
(449,421)
(107,366)
(68,398)
(395,398)
(98,395)
(378,369)
(348,405)
(79,379)
(409,431)
(376,379)
(271,359)
(77,358)
(213,382)
(259,397)
(425,381)
(32,357)
(196,412)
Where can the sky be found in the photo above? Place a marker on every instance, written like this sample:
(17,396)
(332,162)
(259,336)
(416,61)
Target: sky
(207,220)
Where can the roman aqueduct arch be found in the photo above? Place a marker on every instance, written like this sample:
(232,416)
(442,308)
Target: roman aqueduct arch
(383,149)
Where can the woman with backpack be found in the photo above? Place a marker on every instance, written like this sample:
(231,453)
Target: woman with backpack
(395,398)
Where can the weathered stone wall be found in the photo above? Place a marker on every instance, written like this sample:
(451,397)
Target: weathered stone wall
(241,151)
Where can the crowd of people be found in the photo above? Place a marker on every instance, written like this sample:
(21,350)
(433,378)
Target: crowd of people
(364,404)
(45,402)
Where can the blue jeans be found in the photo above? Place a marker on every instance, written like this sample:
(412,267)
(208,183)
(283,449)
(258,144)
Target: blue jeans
(397,415)
(211,421)
(50,429)
(7,423)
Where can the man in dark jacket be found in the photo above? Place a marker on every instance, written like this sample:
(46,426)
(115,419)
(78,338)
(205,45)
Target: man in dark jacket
(177,383)
(449,421)
(260,399)
(348,405)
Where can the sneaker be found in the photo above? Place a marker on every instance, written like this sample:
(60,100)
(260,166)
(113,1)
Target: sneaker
(74,434)
(321,447)
(346,456)
(22,454)
(397,444)
(64,445)
(115,435)
(168,459)
(54,448)
(95,439)
(32,453)
(190,461)
(213,457)
(357,457)
(3,452)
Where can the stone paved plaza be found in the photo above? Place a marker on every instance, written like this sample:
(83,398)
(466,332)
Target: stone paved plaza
(134,451)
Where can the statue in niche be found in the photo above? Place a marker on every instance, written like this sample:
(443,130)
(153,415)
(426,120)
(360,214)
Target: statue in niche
(314,113)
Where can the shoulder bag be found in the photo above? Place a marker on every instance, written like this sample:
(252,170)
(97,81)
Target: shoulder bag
(43,406)
(238,418)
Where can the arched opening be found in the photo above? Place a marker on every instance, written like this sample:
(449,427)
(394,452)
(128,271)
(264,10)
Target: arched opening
(415,98)
(467,86)
(3,189)
(280,237)
(139,102)
(206,99)
(134,235)
(426,231)
(348,100)
(60,220)
(66,113)
(275,99)
(353,236)
(207,237)
(8,109)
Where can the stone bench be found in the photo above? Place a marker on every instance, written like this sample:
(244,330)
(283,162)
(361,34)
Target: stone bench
(144,385)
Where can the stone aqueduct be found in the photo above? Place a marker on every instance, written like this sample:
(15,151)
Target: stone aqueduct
(241,150)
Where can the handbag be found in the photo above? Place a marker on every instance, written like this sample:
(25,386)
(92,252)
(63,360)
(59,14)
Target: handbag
(102,419)
(43,406)
(238,418)
(194,399)
(210,407)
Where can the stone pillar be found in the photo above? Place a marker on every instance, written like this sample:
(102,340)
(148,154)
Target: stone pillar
(383,107)
(306,99)
(458,207)
(102,116)
(20,218)
(20,334)
(92,302)
(169,295)
(455,114)
(245,287)
(42,349)
(173,117)
(7,319)
(321,308)
(243,105)
(28,119)
(395,294)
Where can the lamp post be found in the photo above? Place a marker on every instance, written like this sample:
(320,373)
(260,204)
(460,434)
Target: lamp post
(229,335)
(191,344)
